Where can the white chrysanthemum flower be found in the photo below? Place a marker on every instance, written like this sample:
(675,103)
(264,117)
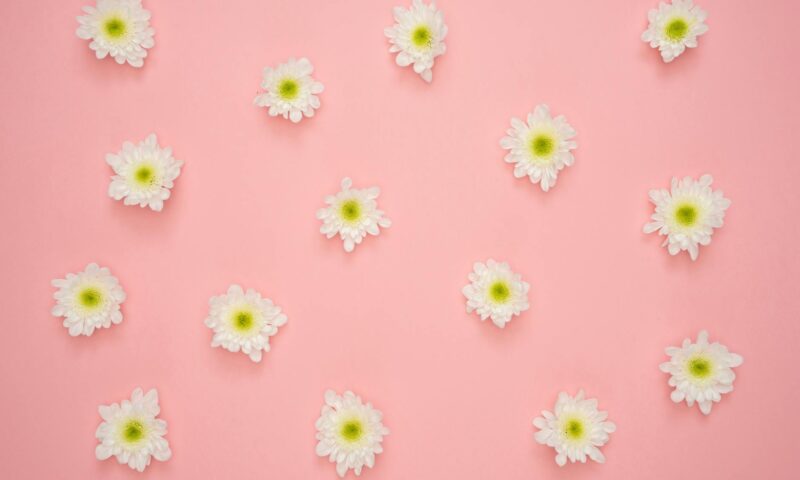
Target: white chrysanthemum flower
(291,91)
(575,430)
(541,147)
(674,27)
(496,292)
(120,28)
(700,372)
(131,432)
(418,37)
(687,214)
(352,214)
(89,299)
(144,173)
(243,321)
(349,432)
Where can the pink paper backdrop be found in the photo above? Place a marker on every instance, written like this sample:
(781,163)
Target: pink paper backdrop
(389,320)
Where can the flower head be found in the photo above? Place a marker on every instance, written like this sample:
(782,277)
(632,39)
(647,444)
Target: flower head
(417,37)
(243,321)
(349,432)
(687,214)
(700,372)
(290,90)
(541,147)
(89,299)
(496,292)
(352,214)
(575,429)
(144,173)
(131,432)
(674,27)
(120,28)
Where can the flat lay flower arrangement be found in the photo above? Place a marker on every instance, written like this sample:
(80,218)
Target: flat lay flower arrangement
(412,264)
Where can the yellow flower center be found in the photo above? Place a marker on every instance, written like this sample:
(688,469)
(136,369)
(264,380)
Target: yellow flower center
(543,145)
(574,429)
(115,28)
(243,320)
(686,214)
(90,298)
(288,89)
(499,292)
(133,431)
(350,210)
(422,37)
(145,175)
(352,430)
(676,29)
(700,367)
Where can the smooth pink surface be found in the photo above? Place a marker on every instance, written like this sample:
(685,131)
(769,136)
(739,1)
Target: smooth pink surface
(388,321)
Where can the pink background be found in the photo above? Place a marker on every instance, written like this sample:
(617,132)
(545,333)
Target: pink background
(388,321)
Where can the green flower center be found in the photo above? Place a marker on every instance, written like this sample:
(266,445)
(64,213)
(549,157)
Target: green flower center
(115,28)
(542,146)
(288,89)
(686,215)
(700,367)
(133,431)
(243,320)
(421,36)
(352,430)
(676,29)
(573,429)
(499,292)
(90,297)
(145,175)
(350,210)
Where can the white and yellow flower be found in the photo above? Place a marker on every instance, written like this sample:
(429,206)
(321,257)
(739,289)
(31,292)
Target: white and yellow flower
(417,37)
(496,292)
(675,27)
(144,173)
(120,28)
(243,321)
(132,432)
(541,147)
(575,429)
(88,300)
(349,432)
(352,214)
(290,90)
(687,214)
(700,372)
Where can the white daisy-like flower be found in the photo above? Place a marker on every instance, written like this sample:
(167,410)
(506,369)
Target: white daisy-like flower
(89,299)
(144,173)
(131,432)
(541,147)
(243,321)
(687,214)
(349,432)
(417,37)
(290,90)
(352,214)
(496,292)
(700,372)
(120,28)
(576,429)
(675,27)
